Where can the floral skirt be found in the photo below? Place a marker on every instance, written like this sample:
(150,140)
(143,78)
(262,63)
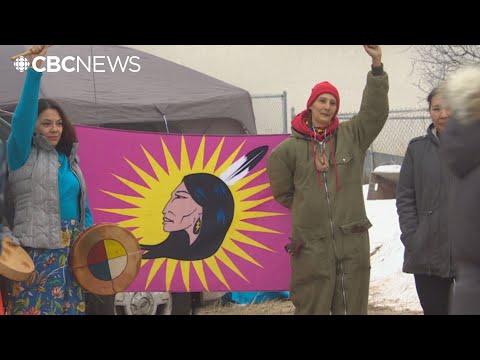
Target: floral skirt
(52,288)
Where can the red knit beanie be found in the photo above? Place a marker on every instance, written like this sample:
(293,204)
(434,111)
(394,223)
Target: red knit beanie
(322,88)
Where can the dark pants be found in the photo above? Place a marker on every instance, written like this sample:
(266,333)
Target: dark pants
(466,293)
(434,293)
(185,303)
(99,304)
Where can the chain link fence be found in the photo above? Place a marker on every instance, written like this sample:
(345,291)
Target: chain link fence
(270,113)
(391,144)
(402,126)
(389,147)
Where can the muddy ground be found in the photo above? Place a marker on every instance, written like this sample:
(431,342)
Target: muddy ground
(281,307)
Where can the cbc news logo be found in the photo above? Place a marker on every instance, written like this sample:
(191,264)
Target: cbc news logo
(21,64)
(77,64)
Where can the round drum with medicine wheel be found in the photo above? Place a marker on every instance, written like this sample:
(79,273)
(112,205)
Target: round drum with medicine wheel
(15,263)
(105,259)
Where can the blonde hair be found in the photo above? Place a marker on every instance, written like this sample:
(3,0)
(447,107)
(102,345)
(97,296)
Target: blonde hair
(462,93)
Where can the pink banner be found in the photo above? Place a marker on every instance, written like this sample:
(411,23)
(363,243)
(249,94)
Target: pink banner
(200,206)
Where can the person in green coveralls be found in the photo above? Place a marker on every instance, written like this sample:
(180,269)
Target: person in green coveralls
(317,173)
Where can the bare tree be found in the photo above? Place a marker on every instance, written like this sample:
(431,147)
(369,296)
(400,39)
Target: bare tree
(434,62)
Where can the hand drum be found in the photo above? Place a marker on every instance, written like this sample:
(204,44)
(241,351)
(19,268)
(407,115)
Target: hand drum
(15,263)
(105,259)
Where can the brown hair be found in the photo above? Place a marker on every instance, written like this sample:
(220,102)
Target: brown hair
(69,136)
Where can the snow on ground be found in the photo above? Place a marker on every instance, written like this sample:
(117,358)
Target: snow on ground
(389,286)
(388,169)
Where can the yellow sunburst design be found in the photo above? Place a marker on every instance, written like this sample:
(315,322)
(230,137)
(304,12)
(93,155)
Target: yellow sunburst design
(146,215)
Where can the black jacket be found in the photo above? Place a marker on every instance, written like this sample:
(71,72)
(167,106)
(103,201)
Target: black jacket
(422,208)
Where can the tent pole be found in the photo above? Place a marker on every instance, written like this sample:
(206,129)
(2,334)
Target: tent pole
(166,123)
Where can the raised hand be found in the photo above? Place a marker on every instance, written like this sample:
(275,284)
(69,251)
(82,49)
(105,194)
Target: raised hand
(37,50)
(375,51)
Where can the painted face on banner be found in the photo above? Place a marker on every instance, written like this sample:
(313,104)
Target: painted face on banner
(181,212)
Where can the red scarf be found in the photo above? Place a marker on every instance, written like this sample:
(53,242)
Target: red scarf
(299,125)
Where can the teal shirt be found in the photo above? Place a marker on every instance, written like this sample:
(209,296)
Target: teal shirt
(19,145)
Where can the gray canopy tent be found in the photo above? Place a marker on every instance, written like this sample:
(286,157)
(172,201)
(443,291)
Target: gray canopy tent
(161,96)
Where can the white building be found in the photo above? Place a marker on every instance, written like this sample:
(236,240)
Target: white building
(272,69)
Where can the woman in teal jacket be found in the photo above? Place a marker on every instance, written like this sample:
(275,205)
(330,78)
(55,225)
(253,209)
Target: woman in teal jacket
(49,199)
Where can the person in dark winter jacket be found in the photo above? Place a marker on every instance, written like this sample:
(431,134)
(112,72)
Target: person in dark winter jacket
(317,173)
(461,150)
(422,209)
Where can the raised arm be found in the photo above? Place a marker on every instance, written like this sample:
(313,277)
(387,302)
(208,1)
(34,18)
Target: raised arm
(374,108)
(25,116)
(375,52)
